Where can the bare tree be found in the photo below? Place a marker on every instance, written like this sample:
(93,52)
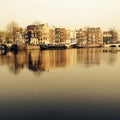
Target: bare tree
(12,28)
(37,23)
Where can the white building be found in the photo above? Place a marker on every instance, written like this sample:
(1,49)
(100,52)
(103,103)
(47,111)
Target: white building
(72,36)
(43,30)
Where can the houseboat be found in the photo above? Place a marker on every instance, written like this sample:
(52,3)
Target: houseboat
(52,46)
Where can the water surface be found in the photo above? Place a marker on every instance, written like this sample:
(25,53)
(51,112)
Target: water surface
(72,84)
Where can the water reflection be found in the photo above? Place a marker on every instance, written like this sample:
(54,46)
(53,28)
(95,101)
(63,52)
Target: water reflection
(3,52)
(77,84)
(39,61)
(89,57)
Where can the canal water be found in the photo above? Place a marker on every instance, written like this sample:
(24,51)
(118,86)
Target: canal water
(72,84)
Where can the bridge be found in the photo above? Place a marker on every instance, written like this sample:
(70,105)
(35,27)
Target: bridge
(111,45)
(20,46)
(8,46)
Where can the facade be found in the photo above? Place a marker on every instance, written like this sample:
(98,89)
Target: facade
(107,37)
(43,30)
(52,36)
(63,35)
(57,35)
(114,38)
(60,35)
(37,34)
(94,36)
(31,35)
(81,37)
(110,37)
(68,41)
(72,36)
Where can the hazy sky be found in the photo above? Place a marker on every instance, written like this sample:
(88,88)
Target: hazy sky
(70,13)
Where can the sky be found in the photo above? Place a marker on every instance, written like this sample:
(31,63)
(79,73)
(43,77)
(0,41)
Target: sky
(68,13)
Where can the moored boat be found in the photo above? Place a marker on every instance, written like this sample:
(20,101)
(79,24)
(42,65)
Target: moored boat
(52,47)
(87,46)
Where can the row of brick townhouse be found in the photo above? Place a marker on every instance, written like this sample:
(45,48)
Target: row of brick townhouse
(37,34)
(81,37)
(43,34)
(96,36)
(89,36)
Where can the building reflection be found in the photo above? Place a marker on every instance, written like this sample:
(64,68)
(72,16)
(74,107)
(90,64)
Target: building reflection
(40,61)
(33,60)
(53,59)
(89,57)
(112,54)
(3,52)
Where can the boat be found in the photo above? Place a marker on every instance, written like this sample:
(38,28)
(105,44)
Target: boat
(52,47)
(87,46)
(80,46)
